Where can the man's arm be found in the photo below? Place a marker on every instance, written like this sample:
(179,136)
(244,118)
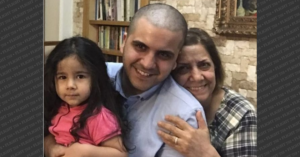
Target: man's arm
(167,151)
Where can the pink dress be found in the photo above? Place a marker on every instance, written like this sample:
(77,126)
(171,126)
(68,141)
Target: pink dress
(99,127)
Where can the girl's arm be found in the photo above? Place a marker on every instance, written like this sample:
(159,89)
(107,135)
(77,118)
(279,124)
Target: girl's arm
(52,149)
(110,148)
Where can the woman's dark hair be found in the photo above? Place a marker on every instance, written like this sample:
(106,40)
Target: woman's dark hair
(102,90)
(198,36)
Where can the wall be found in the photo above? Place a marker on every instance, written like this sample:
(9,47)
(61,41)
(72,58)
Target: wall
(239,55)
(77,18)
(58,21)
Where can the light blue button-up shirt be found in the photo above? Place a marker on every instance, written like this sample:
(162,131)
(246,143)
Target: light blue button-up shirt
(145,110)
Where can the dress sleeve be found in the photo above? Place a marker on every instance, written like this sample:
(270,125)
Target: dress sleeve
(103,126)
(242,142)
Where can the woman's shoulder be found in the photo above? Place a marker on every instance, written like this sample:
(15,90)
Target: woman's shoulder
(235,102)
(228,128)
(234,107)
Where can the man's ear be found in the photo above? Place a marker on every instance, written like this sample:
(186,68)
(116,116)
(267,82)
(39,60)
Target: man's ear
(124,41)
(175,65)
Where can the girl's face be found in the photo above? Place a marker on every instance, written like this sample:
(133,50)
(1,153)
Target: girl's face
(72,81)
(196,72)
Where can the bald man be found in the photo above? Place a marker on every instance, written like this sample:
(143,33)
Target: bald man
(155,38)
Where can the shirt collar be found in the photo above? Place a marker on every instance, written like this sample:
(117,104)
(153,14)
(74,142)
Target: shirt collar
(79,107)
(143,96)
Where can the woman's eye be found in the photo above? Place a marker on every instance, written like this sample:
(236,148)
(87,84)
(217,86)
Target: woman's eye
(205,65)
(182,69)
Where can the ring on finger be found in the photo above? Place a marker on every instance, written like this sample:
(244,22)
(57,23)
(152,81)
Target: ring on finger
(175,139)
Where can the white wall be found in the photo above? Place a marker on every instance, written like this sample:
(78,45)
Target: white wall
(66,19)
(58,21)
(51,26)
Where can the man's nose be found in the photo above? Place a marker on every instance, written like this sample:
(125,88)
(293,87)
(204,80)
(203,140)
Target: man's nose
(149,61)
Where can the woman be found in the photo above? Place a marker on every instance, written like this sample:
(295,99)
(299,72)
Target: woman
(231,119)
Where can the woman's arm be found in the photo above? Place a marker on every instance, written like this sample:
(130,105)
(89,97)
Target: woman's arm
(110,148)
(191,142)
(243,140)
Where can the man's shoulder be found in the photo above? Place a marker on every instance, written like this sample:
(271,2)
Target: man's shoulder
(113,68)
(176,93)
(178,101)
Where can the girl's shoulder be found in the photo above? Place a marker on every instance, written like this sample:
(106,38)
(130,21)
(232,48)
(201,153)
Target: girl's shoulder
(102,126)
(104,116)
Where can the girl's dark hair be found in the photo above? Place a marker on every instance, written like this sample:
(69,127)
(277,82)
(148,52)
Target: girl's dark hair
(198,36)
(102,90)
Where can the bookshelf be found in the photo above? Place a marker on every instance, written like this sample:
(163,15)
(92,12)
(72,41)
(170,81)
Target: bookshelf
(92,26)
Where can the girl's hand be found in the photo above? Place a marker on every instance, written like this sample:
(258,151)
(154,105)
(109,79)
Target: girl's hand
(75,150)
(52,149)
(58,151)
(109,148)
(190,142)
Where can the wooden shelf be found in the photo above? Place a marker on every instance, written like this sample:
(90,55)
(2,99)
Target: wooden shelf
(51,43)
(112,52)
(109,23)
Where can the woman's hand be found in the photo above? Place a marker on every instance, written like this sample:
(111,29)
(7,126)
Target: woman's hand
(185,139)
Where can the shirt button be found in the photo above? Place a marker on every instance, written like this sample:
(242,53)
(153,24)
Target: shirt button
(126,106)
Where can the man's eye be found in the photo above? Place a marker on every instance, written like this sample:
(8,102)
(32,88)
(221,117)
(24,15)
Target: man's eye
(140,47)
(164,55)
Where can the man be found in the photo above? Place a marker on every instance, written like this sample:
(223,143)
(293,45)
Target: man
(155,37)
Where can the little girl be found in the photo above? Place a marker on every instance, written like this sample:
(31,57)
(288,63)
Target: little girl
(80,101)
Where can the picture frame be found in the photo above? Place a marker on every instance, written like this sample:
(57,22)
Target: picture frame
(231,20)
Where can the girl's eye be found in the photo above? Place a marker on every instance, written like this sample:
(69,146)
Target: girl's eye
(80,76)
(61,77)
